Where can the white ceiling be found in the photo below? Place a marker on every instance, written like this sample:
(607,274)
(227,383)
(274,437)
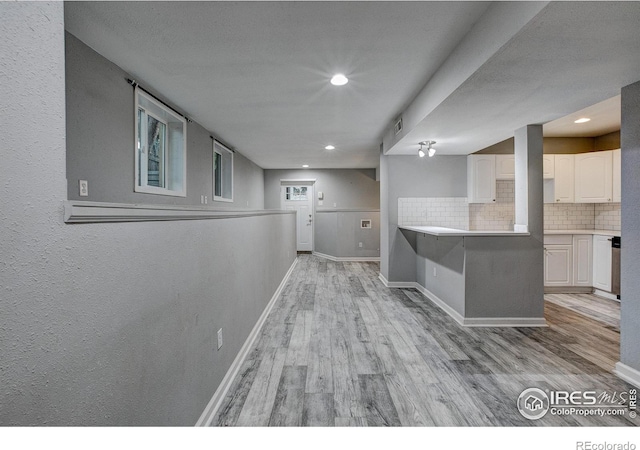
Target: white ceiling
(569,56)
(466,74)
(256,74)
(605,118)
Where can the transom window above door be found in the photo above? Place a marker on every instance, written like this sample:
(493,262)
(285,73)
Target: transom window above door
(296,193)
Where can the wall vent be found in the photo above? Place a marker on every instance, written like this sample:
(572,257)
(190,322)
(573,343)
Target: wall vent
(397,126)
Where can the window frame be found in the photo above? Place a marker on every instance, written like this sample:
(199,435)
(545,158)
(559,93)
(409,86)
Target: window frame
(215,146)
(138,185)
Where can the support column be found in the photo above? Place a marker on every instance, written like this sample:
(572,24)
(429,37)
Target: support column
(528,184)
(629,366)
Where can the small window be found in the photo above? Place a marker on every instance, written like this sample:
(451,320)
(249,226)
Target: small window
(296,193)
(160,148)
(222,173)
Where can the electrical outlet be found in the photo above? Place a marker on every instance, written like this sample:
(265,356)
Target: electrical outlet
(335,204)
(202,199)
(219,338)
(360,244)
(206,199)
(435,273)
(83,187)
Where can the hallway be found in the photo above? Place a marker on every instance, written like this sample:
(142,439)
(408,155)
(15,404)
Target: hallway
(340,349)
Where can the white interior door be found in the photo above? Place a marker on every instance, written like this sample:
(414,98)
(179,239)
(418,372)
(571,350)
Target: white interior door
(298,196)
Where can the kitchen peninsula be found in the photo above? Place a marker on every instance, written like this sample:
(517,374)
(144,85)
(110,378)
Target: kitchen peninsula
(480,278)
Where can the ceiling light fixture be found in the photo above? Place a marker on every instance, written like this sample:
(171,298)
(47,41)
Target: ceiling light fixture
(582,120)
(339,80)
(329,147)
(430,150)
(305,165)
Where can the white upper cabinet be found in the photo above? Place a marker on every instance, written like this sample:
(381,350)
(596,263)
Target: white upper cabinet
(564,178)
(594,177)
(505,167)
(617,178)
(481,178)
(548,166)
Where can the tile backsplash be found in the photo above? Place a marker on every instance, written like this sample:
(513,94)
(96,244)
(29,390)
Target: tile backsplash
(455,212)
(451,212)
(497,216)
(607,216)
(569,216)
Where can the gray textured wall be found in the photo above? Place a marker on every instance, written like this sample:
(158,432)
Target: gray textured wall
(336,234)
(350,234)
(347,188)
(410,176)
(339,233)
(108,324)
(326,232)
(504,277)
(446,255)
(630,263)
(100,139)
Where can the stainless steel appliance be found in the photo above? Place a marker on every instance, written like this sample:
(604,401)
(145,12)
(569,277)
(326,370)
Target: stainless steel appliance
(615,266)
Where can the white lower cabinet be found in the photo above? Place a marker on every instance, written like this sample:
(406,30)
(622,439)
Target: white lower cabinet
(582,260)
(558,265)
(568,260)
(602,263)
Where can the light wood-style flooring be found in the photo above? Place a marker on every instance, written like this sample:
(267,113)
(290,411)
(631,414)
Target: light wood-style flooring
(340,349)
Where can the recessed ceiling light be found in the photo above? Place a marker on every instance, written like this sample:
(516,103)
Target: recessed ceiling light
(582,120)
(305,165)
(339,80)
(329,147)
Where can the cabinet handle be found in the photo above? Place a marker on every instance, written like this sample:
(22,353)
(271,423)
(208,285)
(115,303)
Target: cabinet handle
(557,199)
(608,199)
(494,199)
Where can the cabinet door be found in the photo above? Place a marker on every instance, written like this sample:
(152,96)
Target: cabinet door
(481,178)
(564,178)
(548,166)
(617,176)
(558,265)
(594,177)
(582,260)
(602,263)
(505,167)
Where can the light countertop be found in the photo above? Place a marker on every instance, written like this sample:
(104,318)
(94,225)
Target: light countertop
(443,231)
(591,232)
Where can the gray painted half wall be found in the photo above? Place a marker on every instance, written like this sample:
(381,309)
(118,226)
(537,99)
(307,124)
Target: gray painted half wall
(113,323)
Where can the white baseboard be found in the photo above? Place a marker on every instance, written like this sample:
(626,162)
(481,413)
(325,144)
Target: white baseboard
(505,322)
(470,321)
(628,374)
(348,258)
(455,315)
(214,404)
(397,284)
(605,294)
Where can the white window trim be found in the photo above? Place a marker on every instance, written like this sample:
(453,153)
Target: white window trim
(153,189)
(215,197)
